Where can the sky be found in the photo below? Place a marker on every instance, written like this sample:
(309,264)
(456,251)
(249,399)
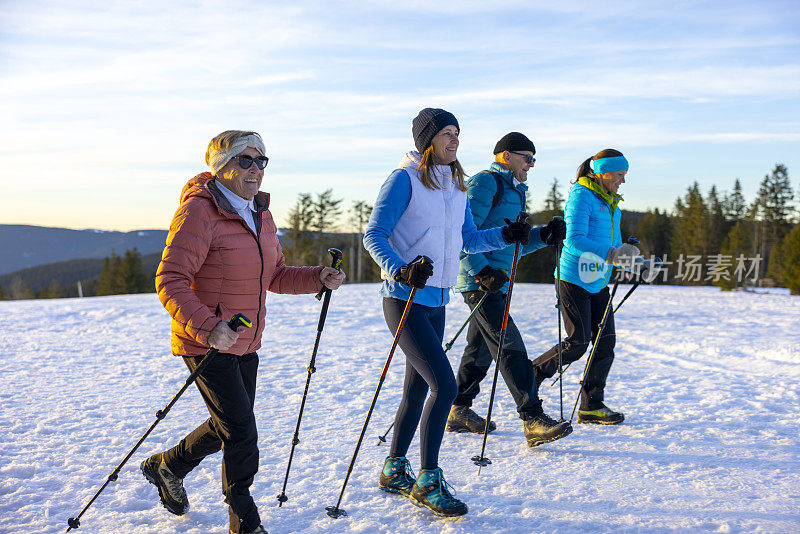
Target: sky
(106,108)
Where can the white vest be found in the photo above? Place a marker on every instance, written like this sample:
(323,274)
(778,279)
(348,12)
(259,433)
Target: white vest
(431,224)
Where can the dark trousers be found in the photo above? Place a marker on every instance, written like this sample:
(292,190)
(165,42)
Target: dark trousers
(483,339)
(582,312)
(228,387)
(427,368)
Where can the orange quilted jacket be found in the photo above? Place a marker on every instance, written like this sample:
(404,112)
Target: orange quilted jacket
(214,266)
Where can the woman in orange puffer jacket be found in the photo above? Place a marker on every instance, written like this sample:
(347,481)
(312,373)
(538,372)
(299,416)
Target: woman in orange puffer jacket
(221,257)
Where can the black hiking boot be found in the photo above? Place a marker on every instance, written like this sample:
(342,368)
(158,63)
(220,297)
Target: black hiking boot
(258,530)
(543,429)
(463,419)
(433,492)
(601,416)
(170,487)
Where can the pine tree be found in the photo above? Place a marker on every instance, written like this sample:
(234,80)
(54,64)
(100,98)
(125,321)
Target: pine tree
(2,294)
(734,205)
(109,283)
(359,216)
(299,245)
(716,225)
(790,253)
(20,291)
(654,231)
(773,207)
(690,233)
(326,212)
(53,291)
(131,273)
(554,201)
(738,243)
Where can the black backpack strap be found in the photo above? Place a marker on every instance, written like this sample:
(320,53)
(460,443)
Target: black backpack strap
(500,189)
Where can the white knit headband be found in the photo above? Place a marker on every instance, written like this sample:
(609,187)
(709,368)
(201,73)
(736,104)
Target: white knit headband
(218,159)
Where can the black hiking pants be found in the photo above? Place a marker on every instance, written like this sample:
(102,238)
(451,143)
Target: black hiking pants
(228,387)
(483,339)
(582,312)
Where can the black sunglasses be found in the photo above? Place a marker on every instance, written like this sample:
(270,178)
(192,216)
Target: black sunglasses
(245,161)
(530,160)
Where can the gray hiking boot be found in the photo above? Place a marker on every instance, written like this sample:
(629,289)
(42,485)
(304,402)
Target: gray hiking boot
(463,419)
(170,487)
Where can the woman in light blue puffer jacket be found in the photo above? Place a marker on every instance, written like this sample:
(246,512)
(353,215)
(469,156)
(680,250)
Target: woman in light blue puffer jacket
(592,246)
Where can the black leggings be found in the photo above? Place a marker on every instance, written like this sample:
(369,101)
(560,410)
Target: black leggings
(582,312)
(426,368)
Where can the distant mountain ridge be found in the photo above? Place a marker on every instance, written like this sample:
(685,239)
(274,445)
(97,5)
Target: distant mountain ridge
(25,246)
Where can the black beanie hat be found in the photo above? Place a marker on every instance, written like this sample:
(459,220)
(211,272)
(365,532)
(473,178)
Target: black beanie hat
(514,142)
(428,123)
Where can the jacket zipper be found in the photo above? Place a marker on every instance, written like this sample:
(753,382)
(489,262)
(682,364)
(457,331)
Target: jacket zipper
(260,278)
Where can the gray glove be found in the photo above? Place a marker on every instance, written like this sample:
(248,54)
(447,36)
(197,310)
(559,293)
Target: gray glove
(623,255)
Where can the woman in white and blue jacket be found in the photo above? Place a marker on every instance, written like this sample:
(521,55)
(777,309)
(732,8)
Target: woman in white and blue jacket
(422,209)
(592,246)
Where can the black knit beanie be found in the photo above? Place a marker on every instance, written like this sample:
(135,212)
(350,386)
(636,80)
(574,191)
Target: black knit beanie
(428,123)
(514,142)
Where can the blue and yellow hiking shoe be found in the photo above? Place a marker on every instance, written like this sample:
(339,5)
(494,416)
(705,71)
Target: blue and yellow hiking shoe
(600,416)
(433,492)
(397,476)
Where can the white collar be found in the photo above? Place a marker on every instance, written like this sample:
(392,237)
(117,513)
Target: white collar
(238,203)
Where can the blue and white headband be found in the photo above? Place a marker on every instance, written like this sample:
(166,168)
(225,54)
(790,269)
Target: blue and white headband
(612,164)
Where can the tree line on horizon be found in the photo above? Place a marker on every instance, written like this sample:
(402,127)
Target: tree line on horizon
(707,239)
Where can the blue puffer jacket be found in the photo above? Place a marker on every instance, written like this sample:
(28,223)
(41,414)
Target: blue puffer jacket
(481,192)
(592,229)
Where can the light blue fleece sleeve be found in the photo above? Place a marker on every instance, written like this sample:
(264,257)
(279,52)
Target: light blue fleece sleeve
(475,240)
(393,199)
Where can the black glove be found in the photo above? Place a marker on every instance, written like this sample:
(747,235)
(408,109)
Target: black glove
(517,232)
(414,274)
(554,231)
(491,279)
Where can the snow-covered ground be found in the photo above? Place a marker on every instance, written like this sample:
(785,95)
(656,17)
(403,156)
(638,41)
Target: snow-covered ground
(709,382)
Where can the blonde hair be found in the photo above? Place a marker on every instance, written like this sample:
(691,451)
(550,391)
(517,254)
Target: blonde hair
(229,143)
(427,172)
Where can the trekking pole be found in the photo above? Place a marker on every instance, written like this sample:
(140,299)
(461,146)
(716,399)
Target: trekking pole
(234,323)
(594,348)
(336,263)
(481,460)
(334,511)
(558,313)
(447,346)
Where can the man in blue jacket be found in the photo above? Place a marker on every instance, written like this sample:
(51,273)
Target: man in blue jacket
(495,195)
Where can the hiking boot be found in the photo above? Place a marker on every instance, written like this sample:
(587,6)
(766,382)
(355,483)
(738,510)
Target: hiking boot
(601,416)
(170,487)
(397,476)
(463,419)
(543,429)
(259,530)
(433,492)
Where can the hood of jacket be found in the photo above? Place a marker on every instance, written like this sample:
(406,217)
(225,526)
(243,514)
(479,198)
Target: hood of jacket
(443,173)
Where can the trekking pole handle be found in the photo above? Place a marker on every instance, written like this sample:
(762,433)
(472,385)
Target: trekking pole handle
(336,263)
(238,320)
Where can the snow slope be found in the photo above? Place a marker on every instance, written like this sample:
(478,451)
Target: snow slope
(709,382)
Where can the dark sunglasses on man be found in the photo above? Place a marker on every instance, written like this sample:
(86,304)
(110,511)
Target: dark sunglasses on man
(245,161)
(530,160)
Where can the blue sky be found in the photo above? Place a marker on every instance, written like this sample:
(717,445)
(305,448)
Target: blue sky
(107,108)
